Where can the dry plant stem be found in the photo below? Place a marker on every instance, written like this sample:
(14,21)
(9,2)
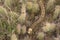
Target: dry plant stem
(41,4)
(57,31)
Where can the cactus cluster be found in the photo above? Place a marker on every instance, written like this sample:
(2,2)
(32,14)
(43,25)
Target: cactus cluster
(32,7)
(49,27)
(40,36)
(22,19)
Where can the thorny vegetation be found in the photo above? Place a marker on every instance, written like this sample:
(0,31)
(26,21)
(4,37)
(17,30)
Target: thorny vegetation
(29,19)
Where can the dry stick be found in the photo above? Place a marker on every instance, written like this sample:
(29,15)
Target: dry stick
(41,4)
